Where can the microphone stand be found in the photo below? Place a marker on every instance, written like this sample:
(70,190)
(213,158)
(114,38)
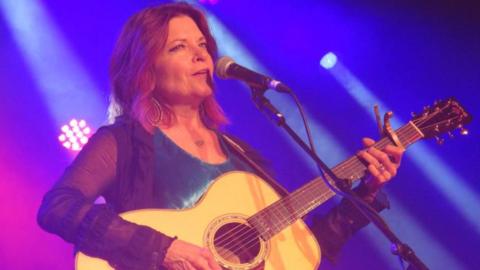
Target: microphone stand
(397,247)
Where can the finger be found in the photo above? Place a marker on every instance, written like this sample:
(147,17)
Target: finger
(181,265)
(395,153)
(369,158)
(188,266)
(384,160)
(379,177)
(211,260)
(367,142)
(214,265)
(200,263)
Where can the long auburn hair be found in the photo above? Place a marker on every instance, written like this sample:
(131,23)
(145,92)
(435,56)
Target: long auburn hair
(132,66)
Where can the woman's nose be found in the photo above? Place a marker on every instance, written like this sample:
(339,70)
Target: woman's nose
(199,54)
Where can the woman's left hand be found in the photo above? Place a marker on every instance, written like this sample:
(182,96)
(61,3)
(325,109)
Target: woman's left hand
(382,164)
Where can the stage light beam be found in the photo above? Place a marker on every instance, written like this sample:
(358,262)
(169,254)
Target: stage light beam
(65,86)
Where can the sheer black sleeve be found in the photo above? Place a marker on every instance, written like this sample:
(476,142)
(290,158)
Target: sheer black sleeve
(69,211)
(335,228)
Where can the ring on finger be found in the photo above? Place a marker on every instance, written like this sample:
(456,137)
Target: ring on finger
(381,168)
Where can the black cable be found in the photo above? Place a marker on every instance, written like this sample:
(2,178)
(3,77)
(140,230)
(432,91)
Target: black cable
(304,120)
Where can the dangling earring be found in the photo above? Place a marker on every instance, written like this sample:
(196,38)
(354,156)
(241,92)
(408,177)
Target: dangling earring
(154,114)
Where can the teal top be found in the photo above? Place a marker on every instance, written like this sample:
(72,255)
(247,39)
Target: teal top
(180,178)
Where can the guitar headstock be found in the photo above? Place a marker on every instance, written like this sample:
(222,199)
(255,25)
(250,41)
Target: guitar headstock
(444,116)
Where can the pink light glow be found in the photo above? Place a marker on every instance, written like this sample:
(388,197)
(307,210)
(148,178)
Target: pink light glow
(62,137)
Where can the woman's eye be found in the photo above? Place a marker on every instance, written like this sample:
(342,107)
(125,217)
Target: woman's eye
(204,45)
(177,47)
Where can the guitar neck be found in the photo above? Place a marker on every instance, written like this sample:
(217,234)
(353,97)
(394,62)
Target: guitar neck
(284,212)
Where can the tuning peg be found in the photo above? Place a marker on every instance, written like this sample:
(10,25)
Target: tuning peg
(439,140)
(426,110)
(450,134)
(463,130)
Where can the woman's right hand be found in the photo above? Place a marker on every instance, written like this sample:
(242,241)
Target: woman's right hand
(185,256)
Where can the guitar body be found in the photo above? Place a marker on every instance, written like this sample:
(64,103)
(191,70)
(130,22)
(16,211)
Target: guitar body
(219,215)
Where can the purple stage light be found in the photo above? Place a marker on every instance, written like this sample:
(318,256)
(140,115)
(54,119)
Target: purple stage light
(74,135)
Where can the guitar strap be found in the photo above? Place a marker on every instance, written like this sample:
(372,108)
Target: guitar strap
(266,176)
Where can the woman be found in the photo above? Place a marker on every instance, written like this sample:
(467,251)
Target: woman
(167,127)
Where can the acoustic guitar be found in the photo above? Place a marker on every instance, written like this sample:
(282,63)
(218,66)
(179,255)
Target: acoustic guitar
(247,225)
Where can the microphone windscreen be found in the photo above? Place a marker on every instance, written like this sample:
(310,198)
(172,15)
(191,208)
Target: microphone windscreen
(222,65)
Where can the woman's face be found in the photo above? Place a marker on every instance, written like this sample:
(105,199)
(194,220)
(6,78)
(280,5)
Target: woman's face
(184,67)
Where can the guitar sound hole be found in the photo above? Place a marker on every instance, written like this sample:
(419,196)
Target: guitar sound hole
(237,243)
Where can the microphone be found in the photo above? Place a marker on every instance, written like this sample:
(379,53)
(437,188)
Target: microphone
(226,68)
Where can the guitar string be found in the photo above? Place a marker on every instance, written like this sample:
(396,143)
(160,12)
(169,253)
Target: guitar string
(263,213)
(253,239)
(417,122)
(250,238)
(435,124)
(345,165)
(273,212)
(354,162)
(287,218)
(357,164)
